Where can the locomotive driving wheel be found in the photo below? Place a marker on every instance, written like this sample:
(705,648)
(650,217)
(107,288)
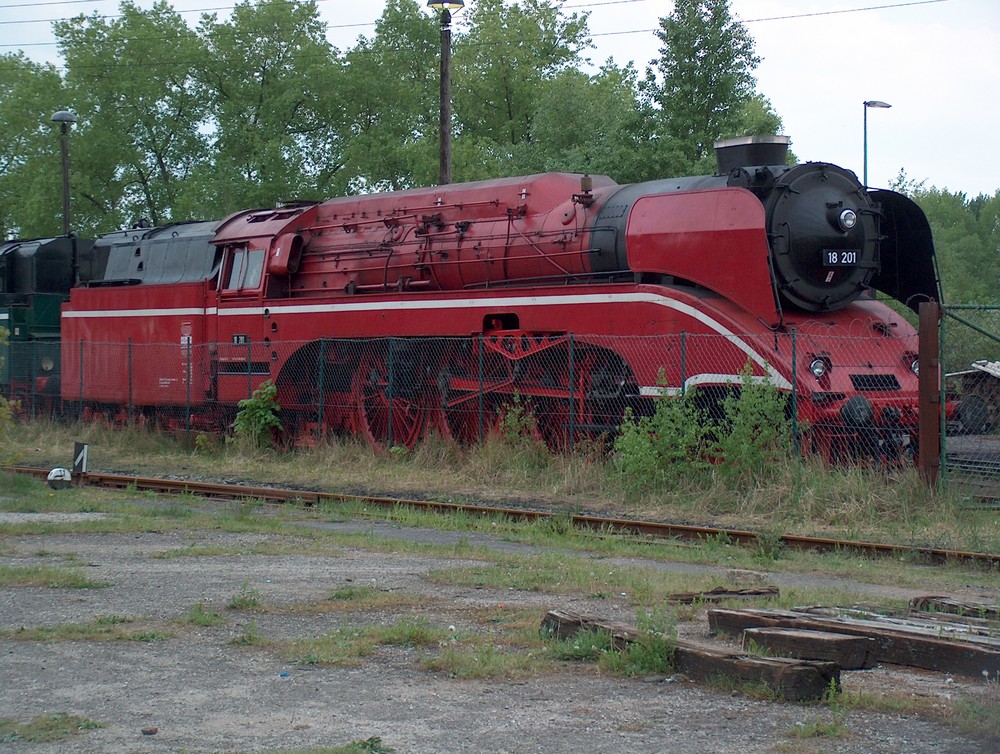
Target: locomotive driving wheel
(465,411)
(595,403)
(389,412)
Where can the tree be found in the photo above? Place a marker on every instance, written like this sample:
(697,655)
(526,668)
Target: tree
(390,130)
(592,124)
(273,80)
(140,135)
(502,66)
(702,88)
(30,172)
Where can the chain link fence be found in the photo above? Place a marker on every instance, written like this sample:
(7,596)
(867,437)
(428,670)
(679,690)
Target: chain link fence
(854,398)
(970,358)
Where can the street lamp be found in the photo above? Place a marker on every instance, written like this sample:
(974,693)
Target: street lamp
(445,7)
(65,118)
(867,104)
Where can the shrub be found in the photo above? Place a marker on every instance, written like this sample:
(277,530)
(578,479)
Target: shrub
(755,436)
(258,418)
(663,447)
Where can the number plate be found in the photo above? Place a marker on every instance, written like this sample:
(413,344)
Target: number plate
(841,257)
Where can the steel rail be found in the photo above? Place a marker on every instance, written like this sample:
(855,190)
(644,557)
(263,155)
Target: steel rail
(659,530)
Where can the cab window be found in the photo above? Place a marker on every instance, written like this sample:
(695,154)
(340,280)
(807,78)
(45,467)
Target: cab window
(245,269)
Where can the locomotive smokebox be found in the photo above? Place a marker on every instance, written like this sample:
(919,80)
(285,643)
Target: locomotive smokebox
(744,151)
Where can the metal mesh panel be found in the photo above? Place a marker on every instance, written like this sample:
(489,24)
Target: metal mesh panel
(970,353)
(850,398)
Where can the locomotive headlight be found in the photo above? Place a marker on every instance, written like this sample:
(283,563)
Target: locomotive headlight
(847,219)
(818,367)
(47,364)
(915,367)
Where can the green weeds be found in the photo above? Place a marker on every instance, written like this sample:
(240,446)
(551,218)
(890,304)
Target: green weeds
(247,598)
(46,728)
(51,577)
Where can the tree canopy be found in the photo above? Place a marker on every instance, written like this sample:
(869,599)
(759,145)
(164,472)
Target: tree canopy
(179,122)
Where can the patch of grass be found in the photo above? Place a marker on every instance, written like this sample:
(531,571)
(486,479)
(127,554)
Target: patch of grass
(979,717)
(347,645)
(371,745)
(247,598)
(197,615)
(46,728)
(651,653)
(818,727)
(478,659)
(584,646)
(409,632)
(52,577)
(102,628)
(353,593)
(251,636)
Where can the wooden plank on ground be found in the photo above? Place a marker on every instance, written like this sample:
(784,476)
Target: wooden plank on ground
(933,604)
(849,652)
(722,593)
(916,646)
(789,679)
(940,625)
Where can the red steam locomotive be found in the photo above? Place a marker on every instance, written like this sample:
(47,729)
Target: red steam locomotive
(431,309)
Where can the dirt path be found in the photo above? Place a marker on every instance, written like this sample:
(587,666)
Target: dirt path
(204,694)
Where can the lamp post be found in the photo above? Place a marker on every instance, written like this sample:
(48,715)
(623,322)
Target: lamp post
(65,118)
(445,7)
(867,104)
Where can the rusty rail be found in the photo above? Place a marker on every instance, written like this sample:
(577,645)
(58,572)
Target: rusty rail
(659,530)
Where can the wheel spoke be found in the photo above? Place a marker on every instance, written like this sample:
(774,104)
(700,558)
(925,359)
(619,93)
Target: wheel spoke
(384,419)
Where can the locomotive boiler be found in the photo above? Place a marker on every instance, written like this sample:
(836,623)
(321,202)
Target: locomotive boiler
(435,309)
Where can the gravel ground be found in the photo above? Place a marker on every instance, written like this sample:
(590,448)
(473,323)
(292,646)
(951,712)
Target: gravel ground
(204,694)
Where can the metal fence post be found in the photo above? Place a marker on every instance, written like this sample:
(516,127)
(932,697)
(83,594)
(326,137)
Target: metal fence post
(249,371)
(80,416)
(796,443)
(683,362)
(943,413)
(31,377)
(188,412)
(389,390)
(572,397)
(929,451)
(130,399)
(480,399)
(322,383)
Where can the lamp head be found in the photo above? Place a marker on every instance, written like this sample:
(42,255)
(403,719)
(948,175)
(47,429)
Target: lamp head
(64,116)
(448,5)
(876,103)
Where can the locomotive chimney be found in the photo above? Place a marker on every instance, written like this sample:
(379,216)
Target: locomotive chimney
(745,151)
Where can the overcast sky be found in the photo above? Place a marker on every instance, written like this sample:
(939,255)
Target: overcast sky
(937,62)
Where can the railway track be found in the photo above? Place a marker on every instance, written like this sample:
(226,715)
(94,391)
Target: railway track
(620,526)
